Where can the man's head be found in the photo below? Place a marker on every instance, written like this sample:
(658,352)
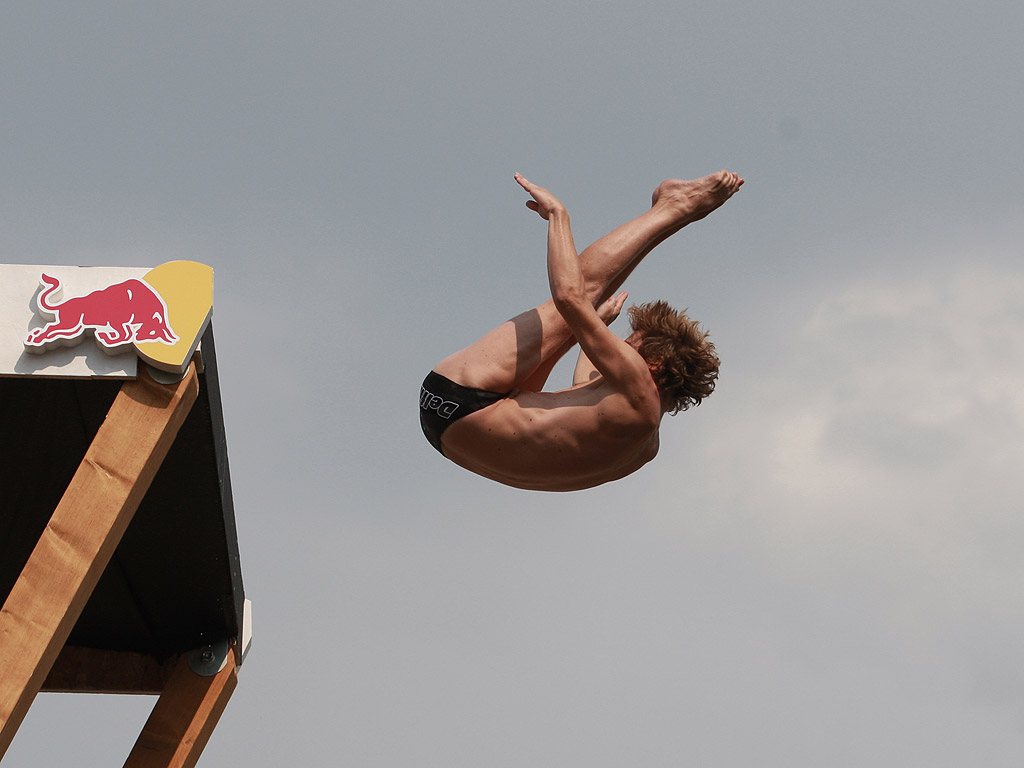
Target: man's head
(682,360)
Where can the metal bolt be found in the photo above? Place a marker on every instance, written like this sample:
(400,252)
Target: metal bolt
(209,660)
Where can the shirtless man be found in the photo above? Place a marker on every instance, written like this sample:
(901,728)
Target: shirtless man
(483,407)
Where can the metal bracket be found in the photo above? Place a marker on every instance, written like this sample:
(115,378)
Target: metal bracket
(246,630)
(168,377)
(210,659)
(163,377)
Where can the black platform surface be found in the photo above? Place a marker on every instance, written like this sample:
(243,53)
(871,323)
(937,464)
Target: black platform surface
(175,582)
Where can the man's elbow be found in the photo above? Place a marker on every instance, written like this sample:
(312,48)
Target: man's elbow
(568,301)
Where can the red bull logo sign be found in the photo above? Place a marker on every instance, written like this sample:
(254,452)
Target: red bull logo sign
(157,316)
(119,314)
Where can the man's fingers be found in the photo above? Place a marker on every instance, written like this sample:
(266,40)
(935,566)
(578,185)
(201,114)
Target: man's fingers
(529,186)
(536,207)
(618,300)
(543,201)
(524,182)
(611,307)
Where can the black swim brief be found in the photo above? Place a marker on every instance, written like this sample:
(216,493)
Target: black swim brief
(442,401)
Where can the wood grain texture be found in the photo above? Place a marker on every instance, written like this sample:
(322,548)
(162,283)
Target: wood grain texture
(87,670)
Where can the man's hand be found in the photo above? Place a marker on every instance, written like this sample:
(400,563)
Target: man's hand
(611,307)
(544,203)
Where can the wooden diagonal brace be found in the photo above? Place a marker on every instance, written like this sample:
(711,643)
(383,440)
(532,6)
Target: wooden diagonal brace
(82,534)
(184,717)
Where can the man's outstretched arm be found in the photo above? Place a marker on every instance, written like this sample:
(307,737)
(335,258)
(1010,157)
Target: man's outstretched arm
(619,363)
(608,312)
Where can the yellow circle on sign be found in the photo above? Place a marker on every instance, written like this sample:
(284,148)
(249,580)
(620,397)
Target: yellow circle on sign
(187,289)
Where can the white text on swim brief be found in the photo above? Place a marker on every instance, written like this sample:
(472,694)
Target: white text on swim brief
(431,402)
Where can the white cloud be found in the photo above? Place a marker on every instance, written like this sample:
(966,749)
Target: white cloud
(876,474)
(912,393)
(857,503)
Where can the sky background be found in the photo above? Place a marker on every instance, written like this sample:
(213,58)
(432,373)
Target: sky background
(823,565)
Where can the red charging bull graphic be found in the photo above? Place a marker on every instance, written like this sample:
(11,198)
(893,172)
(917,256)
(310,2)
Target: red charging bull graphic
(124,313)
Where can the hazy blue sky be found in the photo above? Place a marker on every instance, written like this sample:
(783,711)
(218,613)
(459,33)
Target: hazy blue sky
(823,566)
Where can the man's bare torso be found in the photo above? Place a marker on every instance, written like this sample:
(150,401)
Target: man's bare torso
(606,425)
(557,441)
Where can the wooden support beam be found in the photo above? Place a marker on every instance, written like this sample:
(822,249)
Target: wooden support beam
(83,532)
(184,717)
(87,670)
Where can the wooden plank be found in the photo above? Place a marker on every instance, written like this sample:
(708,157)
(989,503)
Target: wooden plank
(88,670)
(82,534)
(184,717)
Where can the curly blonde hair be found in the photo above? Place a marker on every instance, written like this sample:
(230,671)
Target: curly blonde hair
(684,363)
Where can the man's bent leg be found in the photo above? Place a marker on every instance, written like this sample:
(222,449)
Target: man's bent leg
(674,204)
(608,310)
(506,357)
(516,353)
(522,351)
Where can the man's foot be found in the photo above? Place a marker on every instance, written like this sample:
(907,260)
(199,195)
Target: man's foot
(691,201)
